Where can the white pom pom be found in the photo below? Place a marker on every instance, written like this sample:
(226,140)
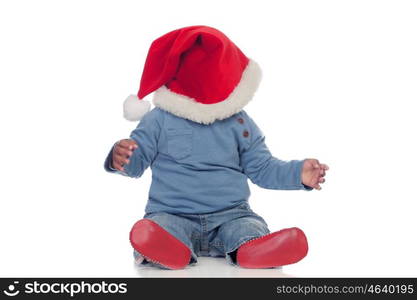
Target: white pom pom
(134,109)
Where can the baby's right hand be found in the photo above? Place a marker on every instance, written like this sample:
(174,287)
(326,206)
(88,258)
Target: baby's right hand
(122,152)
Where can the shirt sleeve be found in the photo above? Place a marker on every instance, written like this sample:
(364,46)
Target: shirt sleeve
(265,170)
(146,136)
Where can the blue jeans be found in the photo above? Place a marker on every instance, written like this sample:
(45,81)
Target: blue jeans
(215,234)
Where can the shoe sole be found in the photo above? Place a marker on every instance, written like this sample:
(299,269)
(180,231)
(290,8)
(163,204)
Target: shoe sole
(158,245)
(277,249)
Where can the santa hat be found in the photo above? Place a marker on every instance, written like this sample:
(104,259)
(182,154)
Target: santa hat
(198,74)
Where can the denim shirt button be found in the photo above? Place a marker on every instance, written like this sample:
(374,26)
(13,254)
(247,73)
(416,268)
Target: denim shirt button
(240,120)
(245,133)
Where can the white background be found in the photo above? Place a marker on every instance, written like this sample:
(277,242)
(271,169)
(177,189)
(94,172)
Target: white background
(339,85)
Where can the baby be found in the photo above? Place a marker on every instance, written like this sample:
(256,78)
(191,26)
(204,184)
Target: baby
(202,147)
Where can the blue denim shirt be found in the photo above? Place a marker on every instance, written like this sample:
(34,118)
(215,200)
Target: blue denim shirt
(200,168)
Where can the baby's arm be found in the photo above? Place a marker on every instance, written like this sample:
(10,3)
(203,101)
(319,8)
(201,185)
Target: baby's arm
(272,173)
(131,157)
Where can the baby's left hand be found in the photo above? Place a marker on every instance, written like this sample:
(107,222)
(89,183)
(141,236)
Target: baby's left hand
(313,173)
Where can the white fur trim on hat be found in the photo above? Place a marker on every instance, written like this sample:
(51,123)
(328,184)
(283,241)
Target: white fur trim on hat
(186,107)
(134,109)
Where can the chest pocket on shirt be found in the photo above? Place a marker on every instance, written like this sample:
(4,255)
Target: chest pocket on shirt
(179,142)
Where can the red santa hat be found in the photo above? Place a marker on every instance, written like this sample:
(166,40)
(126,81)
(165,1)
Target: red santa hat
(197,73)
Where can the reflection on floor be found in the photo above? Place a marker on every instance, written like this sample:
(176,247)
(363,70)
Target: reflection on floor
(210,267)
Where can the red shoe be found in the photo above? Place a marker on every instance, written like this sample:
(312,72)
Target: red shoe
(158,246)
(280,248)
